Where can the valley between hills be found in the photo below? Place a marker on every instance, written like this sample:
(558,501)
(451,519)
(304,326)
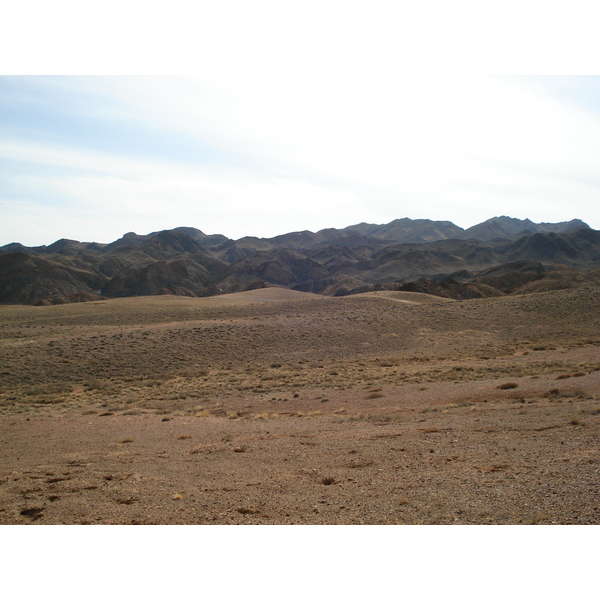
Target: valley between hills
(281,406)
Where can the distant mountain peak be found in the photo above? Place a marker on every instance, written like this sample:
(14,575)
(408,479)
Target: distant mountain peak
(506,227)
(187,261)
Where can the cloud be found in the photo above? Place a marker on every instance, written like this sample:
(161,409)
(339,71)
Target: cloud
(112,194)
(269,150)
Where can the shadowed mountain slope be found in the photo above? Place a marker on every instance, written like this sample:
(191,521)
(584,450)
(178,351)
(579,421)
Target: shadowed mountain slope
(505,227)
(409,230)
(27,278)
(493,257)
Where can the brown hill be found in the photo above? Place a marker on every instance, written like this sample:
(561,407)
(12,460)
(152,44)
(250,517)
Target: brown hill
(26,279)
(361,258)
(505,227)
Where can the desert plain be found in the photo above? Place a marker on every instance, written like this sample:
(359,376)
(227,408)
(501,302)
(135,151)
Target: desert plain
(280,407)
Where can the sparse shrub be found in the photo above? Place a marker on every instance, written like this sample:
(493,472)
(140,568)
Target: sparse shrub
(100,385)
(508,386)
(151,382)
(538,519)
(50,388)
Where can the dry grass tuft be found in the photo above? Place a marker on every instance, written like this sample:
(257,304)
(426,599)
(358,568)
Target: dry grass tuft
(538,519)
(100,385)
(508,386)
(49,388)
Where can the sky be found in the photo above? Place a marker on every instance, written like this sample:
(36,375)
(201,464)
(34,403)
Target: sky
(265,118)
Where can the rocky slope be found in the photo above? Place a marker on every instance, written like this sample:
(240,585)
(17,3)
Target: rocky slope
(498,256)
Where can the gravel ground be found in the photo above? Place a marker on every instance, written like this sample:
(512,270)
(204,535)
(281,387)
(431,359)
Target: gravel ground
(276,407)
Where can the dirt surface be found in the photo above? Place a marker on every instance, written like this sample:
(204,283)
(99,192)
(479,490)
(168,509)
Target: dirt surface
(279,407)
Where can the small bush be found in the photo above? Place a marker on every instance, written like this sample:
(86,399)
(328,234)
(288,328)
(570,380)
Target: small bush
(100,385)
(150,382)
(508,386)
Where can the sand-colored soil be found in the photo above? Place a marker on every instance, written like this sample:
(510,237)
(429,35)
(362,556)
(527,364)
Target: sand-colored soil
(274,407)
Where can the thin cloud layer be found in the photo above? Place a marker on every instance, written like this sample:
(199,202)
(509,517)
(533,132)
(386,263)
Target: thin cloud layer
(263,153)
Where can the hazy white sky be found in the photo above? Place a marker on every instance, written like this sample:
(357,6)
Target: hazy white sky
(277,117)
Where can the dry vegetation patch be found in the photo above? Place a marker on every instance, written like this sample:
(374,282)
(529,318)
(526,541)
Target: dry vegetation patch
(292,408)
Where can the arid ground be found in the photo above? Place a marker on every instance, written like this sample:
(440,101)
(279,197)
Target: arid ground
(281,407)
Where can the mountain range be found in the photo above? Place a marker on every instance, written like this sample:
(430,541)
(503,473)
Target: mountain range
(500,256)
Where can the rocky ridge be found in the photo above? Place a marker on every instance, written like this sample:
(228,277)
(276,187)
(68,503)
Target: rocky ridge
(500,256)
